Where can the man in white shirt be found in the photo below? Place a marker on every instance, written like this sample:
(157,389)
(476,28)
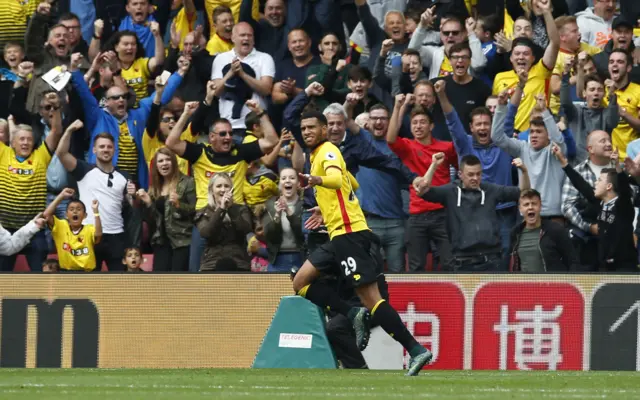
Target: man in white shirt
(247,70)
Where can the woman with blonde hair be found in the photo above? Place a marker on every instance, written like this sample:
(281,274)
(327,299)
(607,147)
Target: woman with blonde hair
(168,209)
(225,226)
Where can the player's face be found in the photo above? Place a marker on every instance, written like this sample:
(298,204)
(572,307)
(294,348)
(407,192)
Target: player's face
(421,126)
(289,183)
(75,214)
(618,66)
(23,143)
(538,137)
(471,176)
(336,128)
(481,129)
(103,149)
(530,210)
(164,165)
(133,259)
(594,93)
(379,122)
(313,132)
(522,57)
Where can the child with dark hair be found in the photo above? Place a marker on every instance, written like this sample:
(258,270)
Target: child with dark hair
(132,259)
(51,265)
(74,241)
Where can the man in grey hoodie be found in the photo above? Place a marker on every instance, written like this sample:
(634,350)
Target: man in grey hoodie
(472,221)
(591,116)
(595,22)
(545,171)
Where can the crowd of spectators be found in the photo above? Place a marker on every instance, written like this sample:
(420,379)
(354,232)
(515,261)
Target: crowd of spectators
(483,135)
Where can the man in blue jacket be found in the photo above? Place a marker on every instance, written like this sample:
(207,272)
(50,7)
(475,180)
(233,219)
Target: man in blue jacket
(496,163)
(126,125)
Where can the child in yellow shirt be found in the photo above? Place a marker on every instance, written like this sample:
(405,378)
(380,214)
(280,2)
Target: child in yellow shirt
(74,241)
(261,184)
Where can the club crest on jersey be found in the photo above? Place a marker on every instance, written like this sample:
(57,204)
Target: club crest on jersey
(331,156)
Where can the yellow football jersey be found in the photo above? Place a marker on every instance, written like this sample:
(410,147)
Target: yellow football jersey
(75,250)
(137,78)
(23,185)
(554,101)
(629,99)
(258,191)
(340,208)
(446,68)
(538,82)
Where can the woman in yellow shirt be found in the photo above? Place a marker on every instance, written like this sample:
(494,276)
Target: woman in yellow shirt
(136,68)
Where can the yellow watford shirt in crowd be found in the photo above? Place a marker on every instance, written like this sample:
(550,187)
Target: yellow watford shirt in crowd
(234,5)
(23,185)
(554,101)
(218,44)
(205,163)
(151,145)
(75,250)
(13,19)
(260,188)
(340,208)
(538,82)
(184,25)
(629,99)
(128,151)
(137,78)
(445,68)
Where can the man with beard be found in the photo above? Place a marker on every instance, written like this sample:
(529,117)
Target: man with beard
(427,221)
(628,98)
(591,116)
(496,163)
(570,47)
(452,31)
(621,38)
(220,41)
(584,227)
(104,182)
(248,74)
(472,221)
(380,195)
(522,58)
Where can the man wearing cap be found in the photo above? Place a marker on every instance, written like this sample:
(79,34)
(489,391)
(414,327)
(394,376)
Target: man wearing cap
(621,38)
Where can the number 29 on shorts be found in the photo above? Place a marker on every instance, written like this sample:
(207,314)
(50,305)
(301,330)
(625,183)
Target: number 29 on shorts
(349,266)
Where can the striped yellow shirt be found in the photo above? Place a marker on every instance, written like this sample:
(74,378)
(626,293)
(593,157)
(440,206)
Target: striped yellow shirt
(128,156)
(23,185)
(137,78)
(13,19)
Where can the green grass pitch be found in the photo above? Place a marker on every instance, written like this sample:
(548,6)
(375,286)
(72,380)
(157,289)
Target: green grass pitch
(138,384)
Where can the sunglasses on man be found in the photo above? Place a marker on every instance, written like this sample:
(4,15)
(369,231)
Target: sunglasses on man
(123,96)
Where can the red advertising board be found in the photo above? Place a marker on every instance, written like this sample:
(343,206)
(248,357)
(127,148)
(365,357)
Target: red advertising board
(434,314)
(528,326)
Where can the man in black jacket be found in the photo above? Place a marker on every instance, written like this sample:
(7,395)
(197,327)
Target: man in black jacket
(537,245)
(612,197)
(472,222)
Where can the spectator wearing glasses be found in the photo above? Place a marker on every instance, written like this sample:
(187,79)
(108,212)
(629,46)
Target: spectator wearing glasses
(125,125)
(221,154)
(453,31)
(23,193)
(74,33)
(101,181)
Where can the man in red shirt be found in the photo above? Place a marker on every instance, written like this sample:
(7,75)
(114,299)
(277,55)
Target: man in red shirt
(427,221)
